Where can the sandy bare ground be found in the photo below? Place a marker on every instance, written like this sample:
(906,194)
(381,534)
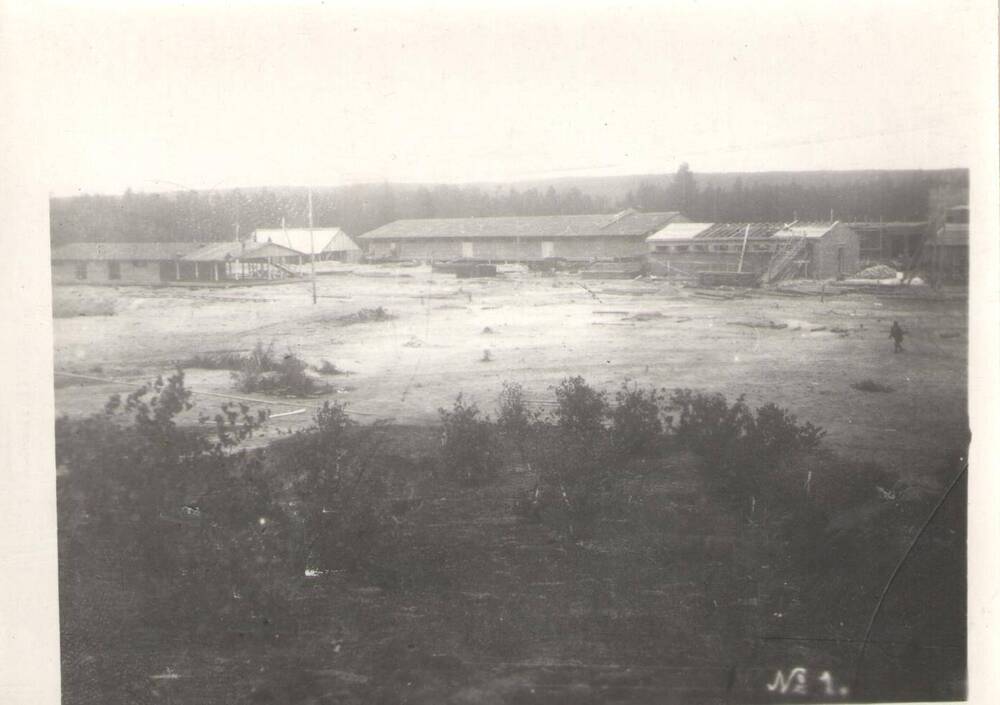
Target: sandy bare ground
(539,329)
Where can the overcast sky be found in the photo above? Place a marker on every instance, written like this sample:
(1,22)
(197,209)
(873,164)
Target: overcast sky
(177,96)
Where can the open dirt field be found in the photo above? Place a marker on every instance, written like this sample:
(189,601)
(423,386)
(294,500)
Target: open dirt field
(539,329)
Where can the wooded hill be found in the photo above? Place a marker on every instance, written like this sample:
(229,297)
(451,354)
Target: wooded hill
(721,197)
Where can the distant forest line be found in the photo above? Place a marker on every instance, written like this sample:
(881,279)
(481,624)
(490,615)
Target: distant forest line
(763,197)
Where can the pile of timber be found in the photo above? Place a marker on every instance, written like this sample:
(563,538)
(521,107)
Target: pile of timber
(735,279)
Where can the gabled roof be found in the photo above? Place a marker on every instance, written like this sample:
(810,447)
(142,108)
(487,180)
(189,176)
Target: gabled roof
(679,231)
(169,251)
(625,224)
(221,251)
(737,231)
(150,251)
(715,231)
(324,239)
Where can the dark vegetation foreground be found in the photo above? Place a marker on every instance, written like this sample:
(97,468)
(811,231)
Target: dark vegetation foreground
(656,547)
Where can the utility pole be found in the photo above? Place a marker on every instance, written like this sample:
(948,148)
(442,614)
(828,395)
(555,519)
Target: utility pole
(881,238)
(312,246)
(746,234)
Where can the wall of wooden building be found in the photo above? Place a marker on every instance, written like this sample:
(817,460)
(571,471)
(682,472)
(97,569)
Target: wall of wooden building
(837,252)
(708,256)
(103,271)
(949,263)
(694,262)
(509,249)
(156,272)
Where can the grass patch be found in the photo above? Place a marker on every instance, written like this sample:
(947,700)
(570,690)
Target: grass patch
(870,385)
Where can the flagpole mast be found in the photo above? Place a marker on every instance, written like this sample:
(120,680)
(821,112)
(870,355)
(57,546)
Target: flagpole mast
(312,246)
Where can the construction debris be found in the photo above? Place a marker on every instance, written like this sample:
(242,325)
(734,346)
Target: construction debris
(647,316)
(758,324)
(878,271)
(739,279)
(612,270)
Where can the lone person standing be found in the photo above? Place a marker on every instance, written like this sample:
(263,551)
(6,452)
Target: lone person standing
(896,333)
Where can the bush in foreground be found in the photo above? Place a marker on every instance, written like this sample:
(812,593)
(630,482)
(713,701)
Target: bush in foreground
(580,407)
(578,482)
(333,474)
(261,372)
(637,426)
(469,449)
(738,446)
(186,519)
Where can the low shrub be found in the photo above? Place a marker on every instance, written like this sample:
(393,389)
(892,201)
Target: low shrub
(637,427)
(774,432)
(739,447)
(469,449)
(260,372)
(187,520)
(870,385)
(514,417)
(334,474)
(580,407)
(577,483)
(573,457)
(366,315)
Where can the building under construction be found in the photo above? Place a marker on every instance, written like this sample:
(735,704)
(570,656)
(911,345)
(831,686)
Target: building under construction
(764,252)
(946,254)
(897,243)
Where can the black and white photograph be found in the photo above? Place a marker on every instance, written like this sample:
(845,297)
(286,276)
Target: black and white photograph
(503,354)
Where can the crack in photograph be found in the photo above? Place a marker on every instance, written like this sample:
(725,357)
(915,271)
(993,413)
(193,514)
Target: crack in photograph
(527,354)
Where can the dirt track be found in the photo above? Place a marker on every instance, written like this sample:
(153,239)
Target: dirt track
(543,329)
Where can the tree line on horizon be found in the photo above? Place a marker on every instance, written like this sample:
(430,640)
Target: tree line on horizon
(225,215)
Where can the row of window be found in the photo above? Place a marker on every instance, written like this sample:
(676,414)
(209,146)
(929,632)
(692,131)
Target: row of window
(114,269)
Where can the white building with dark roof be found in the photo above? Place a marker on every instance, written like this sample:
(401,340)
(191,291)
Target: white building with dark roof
(572,237)
(326,243)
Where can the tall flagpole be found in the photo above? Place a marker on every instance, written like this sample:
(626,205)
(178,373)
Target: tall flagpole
(312,246)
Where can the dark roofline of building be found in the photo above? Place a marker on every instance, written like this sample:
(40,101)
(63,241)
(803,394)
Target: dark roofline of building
(596,223)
